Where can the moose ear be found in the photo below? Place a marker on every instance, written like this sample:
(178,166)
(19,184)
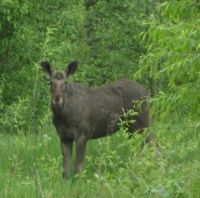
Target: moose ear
(71,68)
(46,67)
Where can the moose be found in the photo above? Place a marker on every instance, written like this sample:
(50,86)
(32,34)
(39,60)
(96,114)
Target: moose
(81,113)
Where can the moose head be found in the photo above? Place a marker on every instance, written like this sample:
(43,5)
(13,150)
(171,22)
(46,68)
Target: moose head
(58,79)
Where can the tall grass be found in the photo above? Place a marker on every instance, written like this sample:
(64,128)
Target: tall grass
(115,166)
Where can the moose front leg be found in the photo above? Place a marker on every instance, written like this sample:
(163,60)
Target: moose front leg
(67,156)
(80,153)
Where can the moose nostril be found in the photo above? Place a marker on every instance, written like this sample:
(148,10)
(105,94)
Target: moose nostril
(57,99)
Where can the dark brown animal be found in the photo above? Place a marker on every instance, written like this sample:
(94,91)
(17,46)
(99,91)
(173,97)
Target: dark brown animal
(81,113)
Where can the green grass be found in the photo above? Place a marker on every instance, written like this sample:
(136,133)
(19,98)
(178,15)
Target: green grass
(30,166)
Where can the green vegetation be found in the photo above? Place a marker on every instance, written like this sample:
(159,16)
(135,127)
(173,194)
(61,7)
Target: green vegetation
(154,42)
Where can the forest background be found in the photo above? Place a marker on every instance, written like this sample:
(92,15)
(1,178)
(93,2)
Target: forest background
(154,42)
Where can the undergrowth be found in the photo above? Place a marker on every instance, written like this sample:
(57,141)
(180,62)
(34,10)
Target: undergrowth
(115,166)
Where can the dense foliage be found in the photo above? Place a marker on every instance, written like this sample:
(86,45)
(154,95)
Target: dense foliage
(155,42)
(171,65)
